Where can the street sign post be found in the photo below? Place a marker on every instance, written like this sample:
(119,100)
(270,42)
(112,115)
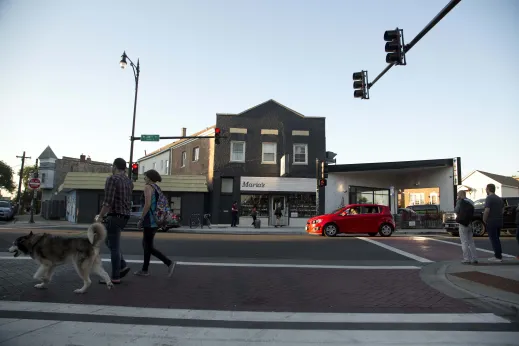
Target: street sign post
(150,138)
(34,183)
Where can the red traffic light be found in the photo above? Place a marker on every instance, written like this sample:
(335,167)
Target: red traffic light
(135,166)
(217,131)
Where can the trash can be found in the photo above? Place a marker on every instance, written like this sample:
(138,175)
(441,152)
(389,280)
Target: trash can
(257,223)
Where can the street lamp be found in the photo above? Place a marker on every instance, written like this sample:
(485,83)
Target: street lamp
(136,72)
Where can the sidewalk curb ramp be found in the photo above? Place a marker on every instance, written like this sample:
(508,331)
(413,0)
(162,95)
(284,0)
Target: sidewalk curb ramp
(435,275)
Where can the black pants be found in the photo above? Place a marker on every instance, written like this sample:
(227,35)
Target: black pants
(494,232)
(234,219)
(254,220)
(147,244)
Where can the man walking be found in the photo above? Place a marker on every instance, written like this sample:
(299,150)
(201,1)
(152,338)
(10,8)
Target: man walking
(117,207)
(493,219)
(464,213)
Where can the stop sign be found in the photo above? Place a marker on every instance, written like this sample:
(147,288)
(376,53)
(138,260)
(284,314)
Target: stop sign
(34,183)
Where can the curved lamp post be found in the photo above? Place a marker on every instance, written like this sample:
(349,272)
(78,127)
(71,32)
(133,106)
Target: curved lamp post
(136,72)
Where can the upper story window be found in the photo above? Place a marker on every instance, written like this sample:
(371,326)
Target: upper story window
(269,153)
(195,155)
(237,151)
(43,178)
(161,165)
(183,159)
(167,167)
(154,165)
(143,169)
(301,154)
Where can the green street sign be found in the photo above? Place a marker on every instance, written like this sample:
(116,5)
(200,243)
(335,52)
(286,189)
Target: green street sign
(150,138)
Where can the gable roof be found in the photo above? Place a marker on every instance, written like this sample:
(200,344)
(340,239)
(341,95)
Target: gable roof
(502,179)
(261,104)
(170,145)
(47,154)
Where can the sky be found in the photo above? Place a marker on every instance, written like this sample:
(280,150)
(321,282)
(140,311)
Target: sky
(61,84)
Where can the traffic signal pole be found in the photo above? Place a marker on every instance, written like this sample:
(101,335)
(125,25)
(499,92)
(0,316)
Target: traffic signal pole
(420,35)
(34,194)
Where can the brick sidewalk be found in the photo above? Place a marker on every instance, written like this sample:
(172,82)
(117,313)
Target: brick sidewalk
(242,288)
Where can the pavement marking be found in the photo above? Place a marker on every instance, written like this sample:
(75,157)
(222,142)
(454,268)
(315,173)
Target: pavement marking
(457,244)
(252,265)
(251,316)
(398,251)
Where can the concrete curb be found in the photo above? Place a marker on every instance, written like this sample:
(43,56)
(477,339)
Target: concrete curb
(435,275)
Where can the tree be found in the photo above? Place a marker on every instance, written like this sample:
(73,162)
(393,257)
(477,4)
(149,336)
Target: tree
(6,177)
(27,175)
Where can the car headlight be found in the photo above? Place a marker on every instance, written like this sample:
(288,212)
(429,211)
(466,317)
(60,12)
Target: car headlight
(317,221)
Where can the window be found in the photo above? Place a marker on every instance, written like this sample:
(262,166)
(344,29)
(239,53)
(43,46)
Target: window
(227,185)
(154,165)
(143,169)
(237,151)
(167,167)
(196,154)
(184,159)
(161,165)
(433,198)
(43,178)
(261,202)
(269,151)
(301,154)
(416,198)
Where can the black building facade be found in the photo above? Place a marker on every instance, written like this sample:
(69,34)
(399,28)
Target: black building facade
(268,158)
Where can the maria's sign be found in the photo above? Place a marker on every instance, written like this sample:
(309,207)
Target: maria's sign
(277,184)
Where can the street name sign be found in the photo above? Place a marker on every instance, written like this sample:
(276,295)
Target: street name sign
(150,138)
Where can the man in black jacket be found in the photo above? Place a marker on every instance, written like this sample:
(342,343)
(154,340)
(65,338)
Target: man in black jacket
(464,212)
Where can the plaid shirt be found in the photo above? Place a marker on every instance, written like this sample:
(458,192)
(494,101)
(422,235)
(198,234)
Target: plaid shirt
(118,194)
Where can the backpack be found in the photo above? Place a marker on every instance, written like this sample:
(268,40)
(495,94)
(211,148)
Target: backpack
(162,211)
(464,217)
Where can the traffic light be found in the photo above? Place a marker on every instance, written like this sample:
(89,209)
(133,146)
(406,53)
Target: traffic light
(360,84)
(217,133)
(322,182)
(395,46)
(324,169)
(135,171)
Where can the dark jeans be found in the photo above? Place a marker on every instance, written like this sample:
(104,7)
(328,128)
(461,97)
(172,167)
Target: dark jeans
(114,226)
(253,220)
(147,244)
(494,232)
(234,219)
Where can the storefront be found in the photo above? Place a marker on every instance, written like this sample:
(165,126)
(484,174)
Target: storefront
(295,197)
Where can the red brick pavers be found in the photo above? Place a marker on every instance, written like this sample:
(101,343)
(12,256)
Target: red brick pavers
(258,289)
(428,248)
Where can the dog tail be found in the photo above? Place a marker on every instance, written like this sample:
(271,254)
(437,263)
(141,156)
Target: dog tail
(96,233)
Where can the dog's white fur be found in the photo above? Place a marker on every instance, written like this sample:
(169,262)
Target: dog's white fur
(96,235)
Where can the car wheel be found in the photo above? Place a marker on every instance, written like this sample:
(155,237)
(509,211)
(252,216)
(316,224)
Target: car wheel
(330,230)
(385,230)
(478,228)
(372,234)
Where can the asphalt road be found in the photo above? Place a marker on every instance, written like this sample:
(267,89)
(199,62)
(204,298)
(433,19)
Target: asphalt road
(508,243)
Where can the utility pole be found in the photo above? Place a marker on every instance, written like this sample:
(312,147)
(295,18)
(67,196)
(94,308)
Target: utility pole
(317,178)
(23,157)
(34,194)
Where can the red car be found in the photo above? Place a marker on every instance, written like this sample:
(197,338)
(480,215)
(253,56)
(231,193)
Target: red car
(354,218)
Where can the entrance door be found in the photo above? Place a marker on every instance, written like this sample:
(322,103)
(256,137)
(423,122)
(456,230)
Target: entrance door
(225,209)
(274,202)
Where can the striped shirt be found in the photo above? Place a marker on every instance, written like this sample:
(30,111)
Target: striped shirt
(118,194)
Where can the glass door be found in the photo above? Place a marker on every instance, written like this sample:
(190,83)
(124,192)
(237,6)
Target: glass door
(278,203)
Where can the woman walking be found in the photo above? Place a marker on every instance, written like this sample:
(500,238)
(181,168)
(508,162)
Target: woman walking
(147,221)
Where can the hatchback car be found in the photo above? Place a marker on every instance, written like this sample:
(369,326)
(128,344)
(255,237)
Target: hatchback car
(354,218)
(6,210)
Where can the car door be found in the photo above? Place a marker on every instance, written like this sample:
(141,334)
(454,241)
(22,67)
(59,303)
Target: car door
(509,212)
(346,221)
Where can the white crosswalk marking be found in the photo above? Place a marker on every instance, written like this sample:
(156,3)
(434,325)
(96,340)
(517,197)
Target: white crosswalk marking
(201,327)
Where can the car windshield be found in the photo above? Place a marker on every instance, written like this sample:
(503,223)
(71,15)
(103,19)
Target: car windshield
(4,204)
(480,203)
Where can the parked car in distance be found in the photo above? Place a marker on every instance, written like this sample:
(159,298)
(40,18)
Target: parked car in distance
(425,208)
(354,218)
(478,227)
(6,210)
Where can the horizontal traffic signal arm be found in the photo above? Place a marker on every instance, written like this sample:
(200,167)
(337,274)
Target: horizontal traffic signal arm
(180,137)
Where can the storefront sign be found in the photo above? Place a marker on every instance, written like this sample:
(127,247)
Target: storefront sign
(275,184)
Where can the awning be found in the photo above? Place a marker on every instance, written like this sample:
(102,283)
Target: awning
(170,183)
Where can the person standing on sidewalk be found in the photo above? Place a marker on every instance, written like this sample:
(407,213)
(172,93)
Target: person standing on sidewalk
(517,230)
(234,214)
(493,219)
(117,207)
(152,193)
(464,213)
